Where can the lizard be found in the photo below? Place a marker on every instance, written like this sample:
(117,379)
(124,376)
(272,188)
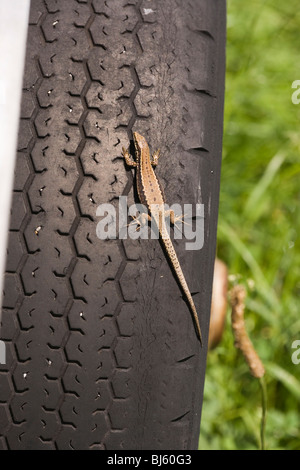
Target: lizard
(151,195)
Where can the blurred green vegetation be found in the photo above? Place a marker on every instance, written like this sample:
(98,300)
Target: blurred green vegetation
(259,223)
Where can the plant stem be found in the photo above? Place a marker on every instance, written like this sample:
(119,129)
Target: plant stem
(264,411)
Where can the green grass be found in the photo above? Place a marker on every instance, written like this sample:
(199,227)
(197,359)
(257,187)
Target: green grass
(259,222)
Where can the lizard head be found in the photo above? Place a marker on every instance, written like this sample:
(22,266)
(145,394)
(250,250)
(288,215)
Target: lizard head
(139,141)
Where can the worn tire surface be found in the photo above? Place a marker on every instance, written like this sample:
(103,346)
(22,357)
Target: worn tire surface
(101,347)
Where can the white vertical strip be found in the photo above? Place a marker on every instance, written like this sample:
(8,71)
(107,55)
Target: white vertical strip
(13,34)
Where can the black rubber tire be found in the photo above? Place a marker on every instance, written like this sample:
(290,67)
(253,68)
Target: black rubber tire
(101,347)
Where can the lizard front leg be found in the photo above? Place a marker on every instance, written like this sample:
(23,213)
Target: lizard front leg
(128,157)
(155,157)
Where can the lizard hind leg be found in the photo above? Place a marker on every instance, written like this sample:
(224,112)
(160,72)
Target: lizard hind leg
(140,220)
(175,218)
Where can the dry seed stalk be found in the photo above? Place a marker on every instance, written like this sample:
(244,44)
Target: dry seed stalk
(242,341)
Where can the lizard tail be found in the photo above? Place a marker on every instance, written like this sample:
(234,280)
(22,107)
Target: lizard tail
(167,242)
